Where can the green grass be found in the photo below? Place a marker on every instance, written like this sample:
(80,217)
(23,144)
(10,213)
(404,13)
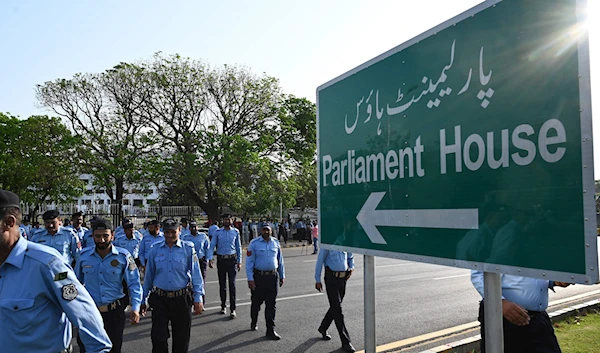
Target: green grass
(579,334)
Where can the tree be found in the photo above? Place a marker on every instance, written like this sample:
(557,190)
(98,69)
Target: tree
(103,110)
(39,160)
(230,133)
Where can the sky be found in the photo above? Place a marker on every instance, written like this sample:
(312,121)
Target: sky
(302,43)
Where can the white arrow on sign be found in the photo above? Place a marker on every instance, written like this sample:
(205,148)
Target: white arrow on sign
(370,218)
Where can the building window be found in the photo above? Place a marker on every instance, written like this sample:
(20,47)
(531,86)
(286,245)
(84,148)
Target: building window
(89,192)
(126,202)
(100,202)
(138,203)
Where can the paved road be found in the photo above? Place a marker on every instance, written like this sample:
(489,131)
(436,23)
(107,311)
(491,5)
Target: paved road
(412,299)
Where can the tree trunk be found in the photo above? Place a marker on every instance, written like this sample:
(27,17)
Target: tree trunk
(212,209)
(118,210)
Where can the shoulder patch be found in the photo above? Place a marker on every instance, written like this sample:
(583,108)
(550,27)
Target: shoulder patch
(131,263)
(60,276)
(69,292)
(248,252)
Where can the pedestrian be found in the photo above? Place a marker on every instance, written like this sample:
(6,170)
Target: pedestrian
(265,273)
(315,237)
(131,241)
(25,228)
(63,239)
(527,326)
(174,283)
(40,294)
(102,269)
(119,232)
(226,244)
(339,266)
(154,235)
(77,226)
(184,228)
(201,245)
(212,229)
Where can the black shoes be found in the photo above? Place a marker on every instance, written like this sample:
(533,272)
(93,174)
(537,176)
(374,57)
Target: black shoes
(253,327)
(348,347)
(273,336)
(326,336)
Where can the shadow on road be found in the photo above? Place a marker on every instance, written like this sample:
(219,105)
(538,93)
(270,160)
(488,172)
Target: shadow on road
(207,347)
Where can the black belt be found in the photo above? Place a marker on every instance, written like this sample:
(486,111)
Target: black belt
(110,307)
(265,273)
(171,294)
(338,274)
(232,256)
(533,314)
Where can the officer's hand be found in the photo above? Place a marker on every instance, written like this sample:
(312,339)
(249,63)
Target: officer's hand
(198,308)
(514,313)
(562,284)
(319,286)
(349,273)
(239,267)
(211,263)
(143,309)
(135,317)
(251,285)
(281,282)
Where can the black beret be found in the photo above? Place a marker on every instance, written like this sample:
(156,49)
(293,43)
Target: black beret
(226,215)
(125,220)
(170,224)
(9,199)
(102,224)
(49,215)
(153,222)
(193,224)
(184,220)
(128,226)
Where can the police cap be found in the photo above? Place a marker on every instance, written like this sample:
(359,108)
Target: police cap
(226,215)
(125,221)
(50,215)
(9,199)
(193,224)
(184,220)
(102,224)
(153,222)
(170,224)
(128,226)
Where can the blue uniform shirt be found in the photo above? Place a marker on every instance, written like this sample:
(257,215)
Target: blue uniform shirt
(39,294)
(88,239)
(184,231)
(529,293)
(173,269)
(103,277)
(146,243)
(132,245)
(212,230)
(226,242)
(264,256)
(337,261)
(65,241)
(201,243)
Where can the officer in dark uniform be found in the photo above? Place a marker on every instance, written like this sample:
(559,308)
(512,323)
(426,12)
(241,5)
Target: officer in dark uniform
(40,294)
(265,271)
(102,269)
(339,266)
(226,243)
(174,283)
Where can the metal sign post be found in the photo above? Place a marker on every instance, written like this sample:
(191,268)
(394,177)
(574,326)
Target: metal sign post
(494,333)
(369,297)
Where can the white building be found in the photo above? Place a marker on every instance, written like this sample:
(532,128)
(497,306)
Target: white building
(95,199)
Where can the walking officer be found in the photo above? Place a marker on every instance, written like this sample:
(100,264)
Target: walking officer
(338,269)
(40,294)
(201,245)
(154,235)
(227,245)
(63,239)
(131,242)
(174,283)
(102,269)
(265,271)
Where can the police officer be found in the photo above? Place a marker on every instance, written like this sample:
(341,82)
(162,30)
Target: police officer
(154,235)
(76,226)
(227,245)
(63,239)
(88,239)
(201,244)
(25,228)
(265,271)
(338,269)
(174,283)
(120,231)
(38,288)
(102,269)
(131,241)
(184,228)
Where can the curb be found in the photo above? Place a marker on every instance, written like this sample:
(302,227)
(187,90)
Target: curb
(472,344)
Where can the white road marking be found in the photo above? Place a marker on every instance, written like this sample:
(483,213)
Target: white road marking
(447,277)
(394,265)
(278,300)
(314,260)
(237,279)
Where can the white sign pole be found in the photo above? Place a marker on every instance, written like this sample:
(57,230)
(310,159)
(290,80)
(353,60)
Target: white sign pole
(369,297)
(494,333)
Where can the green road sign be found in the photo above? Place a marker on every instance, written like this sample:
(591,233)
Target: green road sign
(468,146)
